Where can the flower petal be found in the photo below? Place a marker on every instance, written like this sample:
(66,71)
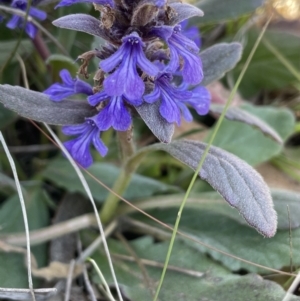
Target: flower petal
(115,114)
(95,99)
(200,100)
(79,151)
(113,61)
(13,22)
(169,109)
(66,77)
(37,13)
(58,92)
(72,130)
(71,2)
(153,96)
(99,145)
(82,87)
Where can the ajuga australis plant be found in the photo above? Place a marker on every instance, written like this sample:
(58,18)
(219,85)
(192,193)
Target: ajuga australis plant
(149,67)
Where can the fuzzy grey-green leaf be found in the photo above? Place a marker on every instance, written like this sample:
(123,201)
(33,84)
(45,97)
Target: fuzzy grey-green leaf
(219,59)
(239,184)
(159,126)
(82,22)
(238,114)
(184,11)
(37,106)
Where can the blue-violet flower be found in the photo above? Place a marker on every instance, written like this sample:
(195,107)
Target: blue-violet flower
(126,80)
(18,21)
(115,114)
(69,87)
(79,148)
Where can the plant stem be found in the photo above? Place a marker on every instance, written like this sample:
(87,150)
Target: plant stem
(127,149)
(41,46)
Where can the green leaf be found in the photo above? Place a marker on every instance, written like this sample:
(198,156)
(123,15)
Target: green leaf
(217,284)
(265,70)
(215,10)
(59,62)
(6,47)
(226,234)
(287,205)
(62,174)
(13,272)
(283,200)
(249,143)
(6,117)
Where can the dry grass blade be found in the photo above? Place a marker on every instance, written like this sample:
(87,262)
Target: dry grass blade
(52,232)
(292,288)
(88,284)
(69,280)
(22,202)
(96,243)
(24,294)
(157,264)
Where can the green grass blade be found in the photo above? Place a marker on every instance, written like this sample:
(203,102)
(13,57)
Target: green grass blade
(230,98)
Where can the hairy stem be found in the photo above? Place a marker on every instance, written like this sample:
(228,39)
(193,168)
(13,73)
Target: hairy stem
(127,149)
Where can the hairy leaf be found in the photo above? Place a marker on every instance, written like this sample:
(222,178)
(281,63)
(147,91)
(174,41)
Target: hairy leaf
(184,11)
(250,144)
(239,184)
(162,129)
(82,22)
(238,114)
(39,107)
(216,10)
(219,59)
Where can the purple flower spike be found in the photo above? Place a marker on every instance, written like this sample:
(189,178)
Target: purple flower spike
(71,2)
(115,114)
(69,87)
(126,80)
(79,148)
(18,21)
(170,96)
